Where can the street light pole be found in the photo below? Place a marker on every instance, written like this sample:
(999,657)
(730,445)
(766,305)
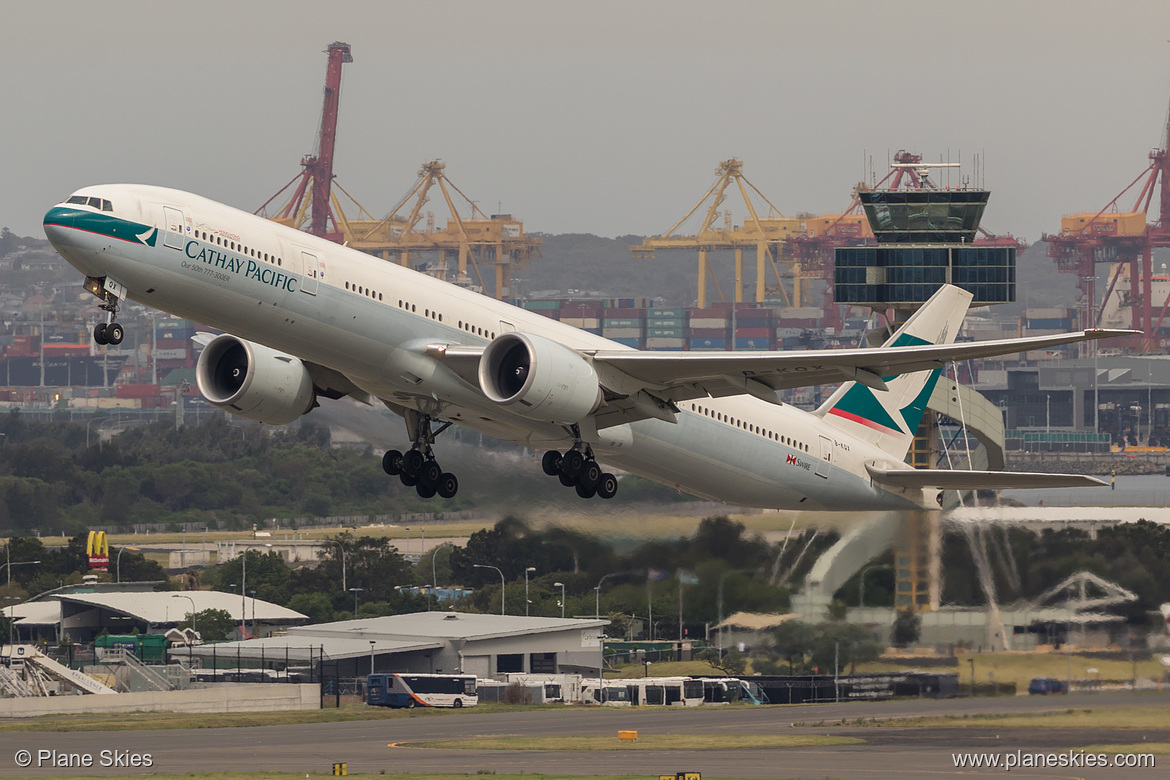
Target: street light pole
(502,585)
(526,601)
(181,596)
(355,592)
(342,550)
(119,559)
(561,585)
(9,564)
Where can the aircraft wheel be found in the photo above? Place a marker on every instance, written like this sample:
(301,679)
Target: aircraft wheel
(425,490)
(448,485)
(572,463)
(586,491)
(115,333)
(410,480)
(413,462)
(392,462)
(431,472)
(590,474)
(566,480)
(607,486)
(551,463)
(99,333)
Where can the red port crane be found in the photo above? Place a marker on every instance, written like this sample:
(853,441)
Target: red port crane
(1123,238)
(312,197)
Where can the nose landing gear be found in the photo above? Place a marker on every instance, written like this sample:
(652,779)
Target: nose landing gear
(109,332)
(417,467)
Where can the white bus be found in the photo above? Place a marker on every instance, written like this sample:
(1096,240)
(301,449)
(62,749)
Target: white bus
(645,691)
(421,690)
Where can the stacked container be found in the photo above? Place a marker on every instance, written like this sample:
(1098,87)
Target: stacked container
(584,314)
(709,329)
(549,308)
(625,325)
(755,328)
(666,329)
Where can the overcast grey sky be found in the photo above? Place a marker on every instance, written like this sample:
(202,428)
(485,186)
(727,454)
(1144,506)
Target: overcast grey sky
(594,117)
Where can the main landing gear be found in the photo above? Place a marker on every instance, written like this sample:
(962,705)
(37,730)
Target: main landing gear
(417,468)
(577,469)
(109,332)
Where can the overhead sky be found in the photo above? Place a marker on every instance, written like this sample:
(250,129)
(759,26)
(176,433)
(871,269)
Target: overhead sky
(605,117)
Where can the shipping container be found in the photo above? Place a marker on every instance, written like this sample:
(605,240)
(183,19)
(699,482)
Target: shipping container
(668,333)
(671,322)
(709,322)
(623,322)
(700,343)
(636,314)
(802,312)
(174,325)
(542,305)
(665,343)
(666,314)
(637,342)
(753,333)
(552,314)
(577,322)
(707,333)
(623,333)
(759,343)
(1049,324)
(137,391)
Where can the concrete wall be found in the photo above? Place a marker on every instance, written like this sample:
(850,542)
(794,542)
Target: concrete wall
(218,698)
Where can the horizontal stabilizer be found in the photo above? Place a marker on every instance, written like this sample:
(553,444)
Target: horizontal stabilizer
(945,479)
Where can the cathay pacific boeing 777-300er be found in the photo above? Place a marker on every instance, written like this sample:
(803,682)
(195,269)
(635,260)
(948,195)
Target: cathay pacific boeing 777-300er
(305,319)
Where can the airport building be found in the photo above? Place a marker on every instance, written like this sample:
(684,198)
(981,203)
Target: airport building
(421,642)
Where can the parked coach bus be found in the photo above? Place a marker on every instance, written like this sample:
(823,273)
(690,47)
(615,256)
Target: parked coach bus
(421,690)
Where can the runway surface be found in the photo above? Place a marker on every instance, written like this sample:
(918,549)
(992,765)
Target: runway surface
(374,746)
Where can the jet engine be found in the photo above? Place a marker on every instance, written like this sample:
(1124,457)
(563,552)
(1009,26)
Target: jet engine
(542,379)
(253,381)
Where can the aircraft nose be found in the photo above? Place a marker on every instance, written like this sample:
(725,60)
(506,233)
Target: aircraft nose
(57,224)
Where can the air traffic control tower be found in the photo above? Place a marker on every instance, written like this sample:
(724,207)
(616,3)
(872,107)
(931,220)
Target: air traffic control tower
(926,237)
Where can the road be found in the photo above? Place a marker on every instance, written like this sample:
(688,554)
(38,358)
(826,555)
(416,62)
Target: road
(374,746)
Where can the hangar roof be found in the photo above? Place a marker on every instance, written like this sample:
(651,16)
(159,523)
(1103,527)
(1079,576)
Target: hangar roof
(446,625)
(304,648)
(173,606)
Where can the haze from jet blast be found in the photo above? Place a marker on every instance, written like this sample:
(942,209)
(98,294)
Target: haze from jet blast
(606,117)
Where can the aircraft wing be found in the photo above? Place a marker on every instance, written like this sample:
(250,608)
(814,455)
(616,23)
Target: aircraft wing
(802,368)
(959,479)
(640,384)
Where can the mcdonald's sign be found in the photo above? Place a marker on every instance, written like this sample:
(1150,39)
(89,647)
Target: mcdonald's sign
(97,547)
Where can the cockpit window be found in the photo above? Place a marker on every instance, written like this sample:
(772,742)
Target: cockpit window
(101,204)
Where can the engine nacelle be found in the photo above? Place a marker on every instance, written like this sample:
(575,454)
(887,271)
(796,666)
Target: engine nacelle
(542,379)
(254,381)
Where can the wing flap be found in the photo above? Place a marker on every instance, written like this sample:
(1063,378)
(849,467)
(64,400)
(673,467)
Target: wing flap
(945,479)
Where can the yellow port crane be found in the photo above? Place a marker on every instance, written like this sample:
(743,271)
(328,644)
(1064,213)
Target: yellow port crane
(478,240)
(766,234)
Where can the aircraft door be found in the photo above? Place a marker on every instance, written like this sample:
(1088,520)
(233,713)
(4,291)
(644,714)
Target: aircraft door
(173,235)
(826,462)
(313,268)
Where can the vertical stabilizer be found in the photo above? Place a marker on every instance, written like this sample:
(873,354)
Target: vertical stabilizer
(890,418)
